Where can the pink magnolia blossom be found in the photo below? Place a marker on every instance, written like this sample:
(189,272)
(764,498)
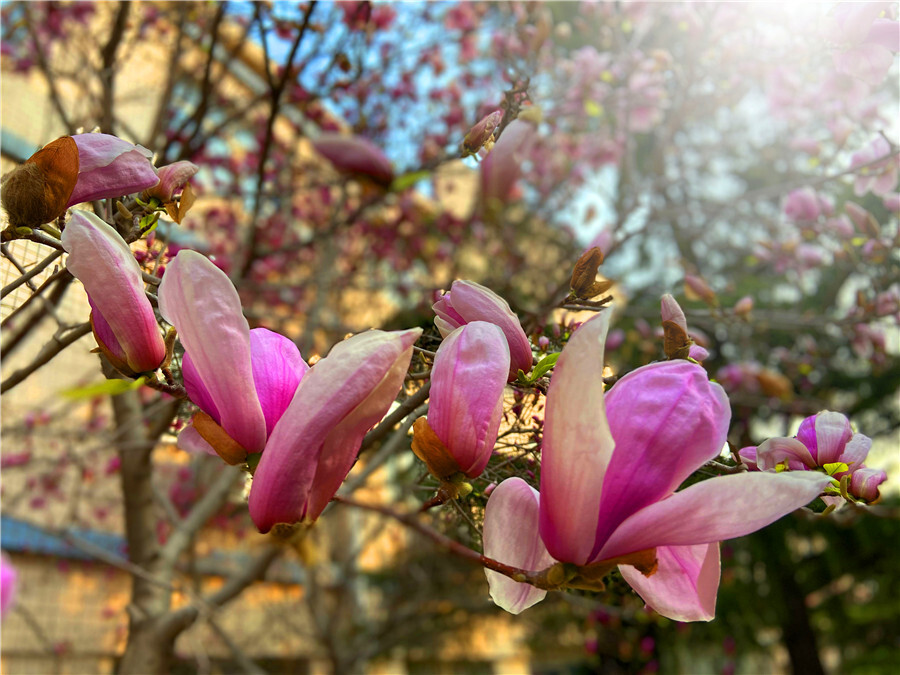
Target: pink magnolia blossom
(110,167)
(467,301)
(8,585)
(824,441)
(356,155)
(670,310)
(610,467)
(804,205)
(315,443)
(466,400)
(122,318)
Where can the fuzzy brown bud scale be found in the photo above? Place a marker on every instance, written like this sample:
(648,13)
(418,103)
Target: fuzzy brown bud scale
(37,191)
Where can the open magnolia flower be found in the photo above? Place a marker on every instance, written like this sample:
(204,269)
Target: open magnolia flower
(824,442)
(256,394)
(609,470)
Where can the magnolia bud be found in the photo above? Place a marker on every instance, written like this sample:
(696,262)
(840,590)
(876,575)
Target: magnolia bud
(676,342)
(697,289)
(482,133)
(584,282)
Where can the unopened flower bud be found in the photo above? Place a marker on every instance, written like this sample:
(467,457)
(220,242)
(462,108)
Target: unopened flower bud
(774,384)
(676,342)
(697,289)
(482,133)
(584,282)
(743,307)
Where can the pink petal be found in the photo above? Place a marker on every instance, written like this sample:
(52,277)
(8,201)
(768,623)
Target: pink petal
(172,178)
(466,400)
(577,446)
(198,299)
(748,457)
(277,371)
(685,585)
(864,483)
(190,440)
(867,62)
(104,264)
(886,33)
(468,301)
(714,510)
(511,537)
(776,450)
(667,420)
(110,167)
(832,433)
(856,451)
(8,585)
(316,441)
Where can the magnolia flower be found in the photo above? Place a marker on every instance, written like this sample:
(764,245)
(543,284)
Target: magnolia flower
(467,301)
(315,443)
(824,441)
(242,380)
(110,167)
(879,178)
(609,470)
(356,155)
(258,395)
(121,316)
(466,399)
(8,585)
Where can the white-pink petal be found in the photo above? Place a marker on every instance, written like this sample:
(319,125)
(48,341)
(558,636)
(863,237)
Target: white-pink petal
(684,586)
(714,510)
(577,445)
(511,537)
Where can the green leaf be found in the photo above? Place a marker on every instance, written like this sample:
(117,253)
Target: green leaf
(407,180)
(835,467)
(105,388)
(544,366)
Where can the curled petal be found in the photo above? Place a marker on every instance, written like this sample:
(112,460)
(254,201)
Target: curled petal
(316,441)
(749,458)
(467,382)
(172,178)
(110,167)
(511,537)
(667,420)
(776,450)
(198,299)
(104,264)
(685,584)
(716,509)
(864,483)
(577,446)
